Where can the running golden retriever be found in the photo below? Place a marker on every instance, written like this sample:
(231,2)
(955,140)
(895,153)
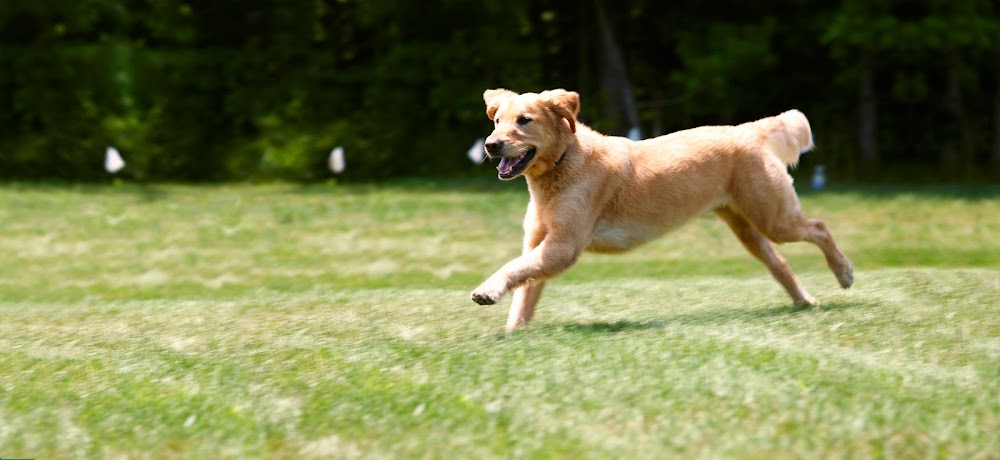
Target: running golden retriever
(591,192)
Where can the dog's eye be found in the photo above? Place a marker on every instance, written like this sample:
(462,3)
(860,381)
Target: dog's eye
(523,120)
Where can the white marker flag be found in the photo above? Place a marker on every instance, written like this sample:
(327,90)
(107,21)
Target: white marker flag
(477,152)
(113,161)
(336,160)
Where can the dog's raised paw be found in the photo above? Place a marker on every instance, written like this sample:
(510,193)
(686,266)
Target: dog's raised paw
(483,299)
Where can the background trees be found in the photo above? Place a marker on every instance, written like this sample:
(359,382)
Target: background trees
(897,90)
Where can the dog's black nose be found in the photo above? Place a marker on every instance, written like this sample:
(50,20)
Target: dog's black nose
(493,146)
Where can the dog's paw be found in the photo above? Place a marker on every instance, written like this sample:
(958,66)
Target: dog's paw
(483,298)
(846,276)
(806,301)
(489,292)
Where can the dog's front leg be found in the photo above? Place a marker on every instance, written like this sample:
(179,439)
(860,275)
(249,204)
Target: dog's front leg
(522,307)
(548,259)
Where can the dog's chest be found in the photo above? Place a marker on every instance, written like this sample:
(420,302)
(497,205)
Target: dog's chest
(614,236)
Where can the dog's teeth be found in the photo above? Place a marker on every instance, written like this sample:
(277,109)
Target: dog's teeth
(508,163)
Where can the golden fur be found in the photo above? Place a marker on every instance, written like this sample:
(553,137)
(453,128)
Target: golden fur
(591,192)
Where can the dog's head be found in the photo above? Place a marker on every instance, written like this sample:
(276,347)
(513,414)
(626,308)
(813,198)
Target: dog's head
(530,131)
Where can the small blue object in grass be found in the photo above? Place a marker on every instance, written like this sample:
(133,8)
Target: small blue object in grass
(819,178)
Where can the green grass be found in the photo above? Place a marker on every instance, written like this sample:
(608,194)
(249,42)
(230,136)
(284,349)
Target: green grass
(333,321)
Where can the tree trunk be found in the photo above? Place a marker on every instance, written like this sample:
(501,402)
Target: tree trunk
(957,154)
(996,125)
(952,104)
(868,116)
(584,32)
(613,74)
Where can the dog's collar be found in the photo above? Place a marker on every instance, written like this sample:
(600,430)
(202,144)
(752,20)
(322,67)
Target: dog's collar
(562,156)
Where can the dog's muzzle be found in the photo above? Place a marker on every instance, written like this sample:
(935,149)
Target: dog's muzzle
(511,167)
(493,147)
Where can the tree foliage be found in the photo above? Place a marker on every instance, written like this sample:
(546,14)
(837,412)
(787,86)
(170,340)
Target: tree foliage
(255,88)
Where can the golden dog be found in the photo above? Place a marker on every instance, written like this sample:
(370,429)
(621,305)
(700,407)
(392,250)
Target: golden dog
(591,192)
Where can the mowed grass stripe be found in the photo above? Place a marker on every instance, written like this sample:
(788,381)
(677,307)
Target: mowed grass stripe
(634,369)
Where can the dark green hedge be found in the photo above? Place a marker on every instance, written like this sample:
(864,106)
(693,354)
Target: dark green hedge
(228,89)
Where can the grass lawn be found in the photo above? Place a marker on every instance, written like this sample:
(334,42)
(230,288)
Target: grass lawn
(334,321)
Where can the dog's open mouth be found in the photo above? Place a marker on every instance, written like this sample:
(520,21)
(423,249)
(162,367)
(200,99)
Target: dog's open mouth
(511,167)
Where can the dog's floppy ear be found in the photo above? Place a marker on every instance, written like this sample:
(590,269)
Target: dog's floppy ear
(493,99)
(565,103)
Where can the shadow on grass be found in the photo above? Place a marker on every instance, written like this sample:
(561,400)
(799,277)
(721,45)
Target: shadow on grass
(708,316)
(607,327)
(735,314)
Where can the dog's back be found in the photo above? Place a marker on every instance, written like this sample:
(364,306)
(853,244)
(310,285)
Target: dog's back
(786,136)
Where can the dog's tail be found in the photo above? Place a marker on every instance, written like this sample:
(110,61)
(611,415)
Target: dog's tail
(788,136)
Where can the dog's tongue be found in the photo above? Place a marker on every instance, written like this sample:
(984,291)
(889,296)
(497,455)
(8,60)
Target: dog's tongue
(506,164)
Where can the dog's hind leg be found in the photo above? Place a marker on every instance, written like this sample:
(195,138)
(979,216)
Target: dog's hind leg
(794,227)
(798,228)
(773,209)
(761,248)
(523,305)
(816,233)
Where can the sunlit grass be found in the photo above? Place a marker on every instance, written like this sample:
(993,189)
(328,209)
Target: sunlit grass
(334,321)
